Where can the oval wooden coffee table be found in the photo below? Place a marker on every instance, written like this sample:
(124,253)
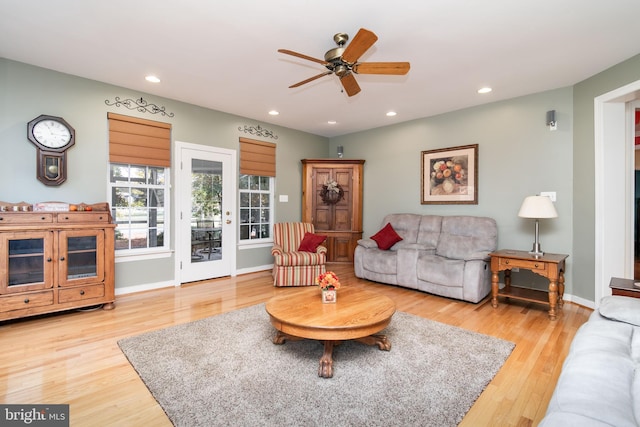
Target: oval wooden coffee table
(357,315)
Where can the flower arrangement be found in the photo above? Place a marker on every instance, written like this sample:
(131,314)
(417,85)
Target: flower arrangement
(331,192)
(451,173)
(328,281)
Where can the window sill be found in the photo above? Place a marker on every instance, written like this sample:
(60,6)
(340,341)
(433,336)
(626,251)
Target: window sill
(255,245)
(140,255)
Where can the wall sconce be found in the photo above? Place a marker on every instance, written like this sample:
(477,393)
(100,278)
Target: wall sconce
(551,120)
(537,207)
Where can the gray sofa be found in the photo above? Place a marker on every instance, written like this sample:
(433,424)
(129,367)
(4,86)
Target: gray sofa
(442,255)
(600,382)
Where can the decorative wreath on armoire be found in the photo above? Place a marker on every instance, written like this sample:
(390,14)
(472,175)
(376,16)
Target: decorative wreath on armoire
(331,192)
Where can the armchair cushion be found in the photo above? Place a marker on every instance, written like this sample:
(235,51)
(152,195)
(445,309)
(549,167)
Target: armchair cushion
(386,237)
(310,242)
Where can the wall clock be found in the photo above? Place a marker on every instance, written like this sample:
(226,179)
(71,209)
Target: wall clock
(52,136)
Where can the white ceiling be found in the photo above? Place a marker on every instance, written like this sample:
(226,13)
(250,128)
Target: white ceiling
(223,54)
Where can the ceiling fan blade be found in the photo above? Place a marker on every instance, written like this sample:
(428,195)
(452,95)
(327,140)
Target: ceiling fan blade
(300,55)
(310,79)
(396,68)
(350,84)
(359,45)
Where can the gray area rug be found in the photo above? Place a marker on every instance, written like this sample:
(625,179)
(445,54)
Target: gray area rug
(225,371)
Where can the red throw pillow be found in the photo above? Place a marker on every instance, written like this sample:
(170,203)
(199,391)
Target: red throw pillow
(386,237)
(310,242)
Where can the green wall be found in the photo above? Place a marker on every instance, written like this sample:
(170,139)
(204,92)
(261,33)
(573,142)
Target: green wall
(518,156)
(27,91)
(584,160)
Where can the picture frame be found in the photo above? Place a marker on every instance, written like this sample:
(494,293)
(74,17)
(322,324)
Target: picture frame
(449,176)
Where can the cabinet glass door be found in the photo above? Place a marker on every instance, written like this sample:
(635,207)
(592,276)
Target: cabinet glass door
(28,261)
(80,260)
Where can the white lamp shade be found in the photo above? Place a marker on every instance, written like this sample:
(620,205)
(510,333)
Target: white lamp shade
(537,207)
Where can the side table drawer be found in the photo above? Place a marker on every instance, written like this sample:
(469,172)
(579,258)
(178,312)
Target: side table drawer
(27,300)
(80,293)
(521,263)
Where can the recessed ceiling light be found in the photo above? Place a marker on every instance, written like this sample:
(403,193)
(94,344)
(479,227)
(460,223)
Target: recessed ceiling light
(152,79)
(332,122)
(274,113)
(391,113)
(485,90)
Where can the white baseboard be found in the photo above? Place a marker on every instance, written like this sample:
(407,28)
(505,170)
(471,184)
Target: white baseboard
(144,287)
(580,301)
(255,269)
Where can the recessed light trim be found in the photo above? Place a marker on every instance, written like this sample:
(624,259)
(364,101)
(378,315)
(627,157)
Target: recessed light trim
(332,122)
(152,79)
(391,113)
(274,113)
(485,89)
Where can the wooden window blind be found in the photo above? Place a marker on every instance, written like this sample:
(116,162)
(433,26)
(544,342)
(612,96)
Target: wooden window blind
(257,157)
(139,141)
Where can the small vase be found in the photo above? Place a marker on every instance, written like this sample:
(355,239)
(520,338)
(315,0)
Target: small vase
(329,296)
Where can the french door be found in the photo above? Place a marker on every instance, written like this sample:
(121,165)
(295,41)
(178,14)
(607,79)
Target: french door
(205,212)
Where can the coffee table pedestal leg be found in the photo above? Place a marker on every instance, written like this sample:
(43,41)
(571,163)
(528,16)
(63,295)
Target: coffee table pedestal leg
(380,340)
(325,368)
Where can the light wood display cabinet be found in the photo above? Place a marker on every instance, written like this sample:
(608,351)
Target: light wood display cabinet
(340,221)
(55,261)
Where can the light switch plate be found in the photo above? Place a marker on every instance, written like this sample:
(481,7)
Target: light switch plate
(549,194)
(284,198)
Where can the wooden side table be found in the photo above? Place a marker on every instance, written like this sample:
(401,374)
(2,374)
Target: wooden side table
(624,287)
(549,265)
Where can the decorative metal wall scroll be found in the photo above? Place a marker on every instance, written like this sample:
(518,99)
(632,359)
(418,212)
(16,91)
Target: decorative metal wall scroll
(258,131)
(138,104)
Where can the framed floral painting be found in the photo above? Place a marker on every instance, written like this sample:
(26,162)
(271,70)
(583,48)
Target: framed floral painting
(450,176)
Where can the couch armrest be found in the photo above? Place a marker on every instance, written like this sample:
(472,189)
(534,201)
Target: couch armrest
(276,250)
(479,256)
(368,243)
(321,250)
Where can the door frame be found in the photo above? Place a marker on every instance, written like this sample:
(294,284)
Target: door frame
(230,235)
(614,187)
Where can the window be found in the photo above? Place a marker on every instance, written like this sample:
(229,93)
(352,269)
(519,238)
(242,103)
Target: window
(139,160)
(256,207)
(139,203)
(257,177)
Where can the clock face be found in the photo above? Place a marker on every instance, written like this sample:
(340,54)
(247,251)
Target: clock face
(51,133)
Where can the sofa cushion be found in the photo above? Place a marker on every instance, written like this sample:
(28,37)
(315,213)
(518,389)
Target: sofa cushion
(310,242)
(622,309)
(467,237)
(439,270)
(405,224)
(379,261)
(386,237)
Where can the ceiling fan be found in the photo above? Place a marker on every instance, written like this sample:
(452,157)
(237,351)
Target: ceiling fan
(343,61)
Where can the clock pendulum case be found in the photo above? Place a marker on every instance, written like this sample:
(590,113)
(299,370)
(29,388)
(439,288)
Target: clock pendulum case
(52,136)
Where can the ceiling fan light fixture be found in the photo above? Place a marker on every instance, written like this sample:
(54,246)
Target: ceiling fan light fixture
(341,70)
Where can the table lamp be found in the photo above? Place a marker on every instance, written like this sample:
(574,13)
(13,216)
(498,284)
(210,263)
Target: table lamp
(537,207)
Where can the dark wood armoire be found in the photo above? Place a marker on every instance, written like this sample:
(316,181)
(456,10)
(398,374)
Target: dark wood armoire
(341,222)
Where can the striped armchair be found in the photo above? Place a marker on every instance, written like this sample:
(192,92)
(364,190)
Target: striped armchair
(290,266)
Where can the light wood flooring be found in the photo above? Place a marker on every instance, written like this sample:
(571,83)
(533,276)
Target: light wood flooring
(74,357)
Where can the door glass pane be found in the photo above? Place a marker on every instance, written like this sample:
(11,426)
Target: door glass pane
(206,210)
(26,261)
(82,257)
